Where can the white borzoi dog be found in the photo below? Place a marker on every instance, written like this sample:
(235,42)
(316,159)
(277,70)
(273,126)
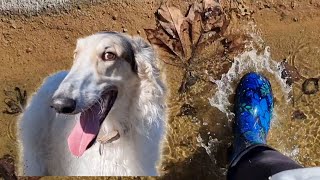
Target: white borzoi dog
(106,116)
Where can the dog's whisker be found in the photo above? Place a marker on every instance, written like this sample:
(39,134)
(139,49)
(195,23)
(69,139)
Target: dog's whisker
(100,102)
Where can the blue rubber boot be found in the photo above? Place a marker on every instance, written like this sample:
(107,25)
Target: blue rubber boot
(253,112)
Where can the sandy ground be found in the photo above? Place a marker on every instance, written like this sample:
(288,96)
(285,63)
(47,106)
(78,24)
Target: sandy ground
(292,30)
(34,46)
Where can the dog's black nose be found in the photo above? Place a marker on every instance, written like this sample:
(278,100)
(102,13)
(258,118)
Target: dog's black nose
(64,105)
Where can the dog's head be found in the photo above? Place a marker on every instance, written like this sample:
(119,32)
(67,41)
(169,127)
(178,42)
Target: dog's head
(106,66)
(102,62)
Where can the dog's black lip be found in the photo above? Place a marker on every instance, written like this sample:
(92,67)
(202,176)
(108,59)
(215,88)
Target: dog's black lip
(113,92)
(106,91)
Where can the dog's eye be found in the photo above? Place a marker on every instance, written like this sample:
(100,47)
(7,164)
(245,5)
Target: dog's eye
(108,56)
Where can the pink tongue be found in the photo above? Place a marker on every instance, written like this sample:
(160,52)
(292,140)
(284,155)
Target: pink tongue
(84,132)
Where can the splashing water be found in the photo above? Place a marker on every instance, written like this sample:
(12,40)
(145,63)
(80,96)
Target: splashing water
(246,62)
(252,60)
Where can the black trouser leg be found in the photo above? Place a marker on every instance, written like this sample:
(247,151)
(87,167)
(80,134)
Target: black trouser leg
(259,162)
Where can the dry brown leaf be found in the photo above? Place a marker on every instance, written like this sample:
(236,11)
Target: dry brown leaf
(214,16)
(310,86)
(171,20)
(298,114)
(184,37)
(160,38)
(173,44)
(186,40)
(195,8)
(208,37)
(194,18)
(209,3)
(290,73)
(181,36)
(196,29)
(234,43)
(151,36)
(7,167)
(175,24)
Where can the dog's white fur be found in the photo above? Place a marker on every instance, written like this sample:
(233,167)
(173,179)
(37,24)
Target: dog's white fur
(138,113)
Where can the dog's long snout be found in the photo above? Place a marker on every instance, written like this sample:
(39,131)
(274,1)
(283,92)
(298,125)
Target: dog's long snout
(63,105)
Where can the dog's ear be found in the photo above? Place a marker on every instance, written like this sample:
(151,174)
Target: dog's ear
(145,59)
(148,71)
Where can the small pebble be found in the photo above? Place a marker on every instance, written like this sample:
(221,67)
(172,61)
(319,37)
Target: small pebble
(13,24)
(125,30)
(114,17)
(28,50)
(298,115)
(293,4)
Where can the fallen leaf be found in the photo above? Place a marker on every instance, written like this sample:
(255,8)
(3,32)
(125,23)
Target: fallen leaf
(175,24)
(158,37)
(181,35)
(310,86)
(234,43)
(290,73)
(7,169)
(194,19)
(186,40)
(207,38)
(151,36)
(15,101)
(194,8)
(155,37)
(171,20)
(184,36)
(298,115)
(214,16)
